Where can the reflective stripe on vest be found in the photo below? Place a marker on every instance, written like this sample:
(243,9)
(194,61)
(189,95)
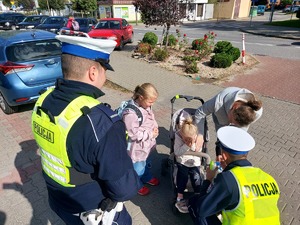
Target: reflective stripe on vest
(259,193)
(51,136)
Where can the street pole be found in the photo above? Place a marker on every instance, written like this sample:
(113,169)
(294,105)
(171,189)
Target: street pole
(48,7)
(272,12)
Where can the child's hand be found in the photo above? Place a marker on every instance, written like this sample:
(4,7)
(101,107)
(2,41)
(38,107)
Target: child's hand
(199,143)
(155,132)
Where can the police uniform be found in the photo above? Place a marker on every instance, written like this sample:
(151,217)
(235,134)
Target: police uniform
(243,193)
(83,142)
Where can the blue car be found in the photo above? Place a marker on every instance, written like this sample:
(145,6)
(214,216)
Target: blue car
(30,62)
(53,24)
(31,22)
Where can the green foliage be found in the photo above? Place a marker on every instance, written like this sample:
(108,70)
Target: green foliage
(150,38)
(144,48)
(53,4)
(83,5)
(221,60)
(189,58)
(172,40)
(160,54)
(235,53)
(191,67)
(182,41)
(222,46)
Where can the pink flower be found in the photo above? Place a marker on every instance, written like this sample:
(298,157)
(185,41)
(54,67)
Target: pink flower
(205,36)
(196,51)
(212,33)
(196,42)
(201,43)
(184,35)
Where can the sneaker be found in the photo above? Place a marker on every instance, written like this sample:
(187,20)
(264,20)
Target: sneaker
(154,182)
(144,191)
(181,206)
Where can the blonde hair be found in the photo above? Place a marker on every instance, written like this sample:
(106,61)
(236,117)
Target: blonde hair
(188,128)
(147,90)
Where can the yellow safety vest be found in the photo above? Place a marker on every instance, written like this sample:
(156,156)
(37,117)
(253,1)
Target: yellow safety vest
(51,134)
(259,193)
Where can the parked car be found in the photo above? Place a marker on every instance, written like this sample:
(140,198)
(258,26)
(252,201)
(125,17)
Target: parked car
(287,6)
(261,9)
(31,22)
(53,23)
(30,61)
(85,24)
(9,21)
(117,29)
(292,9)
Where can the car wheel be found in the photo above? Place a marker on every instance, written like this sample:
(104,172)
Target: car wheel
(121,44)
(132,38)
(5,107)
(13,27)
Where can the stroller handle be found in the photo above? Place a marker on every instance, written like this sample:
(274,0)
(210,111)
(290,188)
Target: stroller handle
(199,154)
(187,98)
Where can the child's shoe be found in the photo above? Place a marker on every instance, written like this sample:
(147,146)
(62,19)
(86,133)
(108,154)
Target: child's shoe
(181,206)
(154,181)
(143,191)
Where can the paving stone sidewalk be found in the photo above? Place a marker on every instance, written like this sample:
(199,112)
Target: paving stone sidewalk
(23,195)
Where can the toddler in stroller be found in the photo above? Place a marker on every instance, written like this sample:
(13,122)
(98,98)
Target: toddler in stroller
(188,156)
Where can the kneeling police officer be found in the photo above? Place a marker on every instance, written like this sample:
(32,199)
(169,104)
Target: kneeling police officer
(243,193)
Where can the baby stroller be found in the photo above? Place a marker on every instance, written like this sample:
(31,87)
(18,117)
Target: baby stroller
(169,164)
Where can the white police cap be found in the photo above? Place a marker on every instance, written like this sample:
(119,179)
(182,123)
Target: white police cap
(235,140)
(94,49)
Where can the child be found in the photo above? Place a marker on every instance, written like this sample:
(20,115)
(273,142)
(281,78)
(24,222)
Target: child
(187,139)
(142,137)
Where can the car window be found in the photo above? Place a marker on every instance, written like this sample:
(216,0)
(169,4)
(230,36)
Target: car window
(111,24)
(124,23)
(53,20)
(32,19)
(33,50)
(82,22)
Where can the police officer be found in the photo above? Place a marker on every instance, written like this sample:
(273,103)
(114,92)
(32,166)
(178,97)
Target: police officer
(82,142)
(243,193)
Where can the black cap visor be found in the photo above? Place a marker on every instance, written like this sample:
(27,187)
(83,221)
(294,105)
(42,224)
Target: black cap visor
(105,63)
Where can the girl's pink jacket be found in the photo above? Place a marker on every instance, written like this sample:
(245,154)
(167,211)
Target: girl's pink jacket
(140,138)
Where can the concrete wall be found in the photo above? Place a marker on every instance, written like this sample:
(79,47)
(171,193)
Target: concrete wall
(245,8)
(224,10)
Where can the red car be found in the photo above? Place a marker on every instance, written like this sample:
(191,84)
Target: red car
(117,29)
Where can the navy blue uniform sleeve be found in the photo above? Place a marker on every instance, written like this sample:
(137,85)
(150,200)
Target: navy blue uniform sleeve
(223,194)
(115,167)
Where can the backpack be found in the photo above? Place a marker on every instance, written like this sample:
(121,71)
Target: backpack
(130,105)
(75,25)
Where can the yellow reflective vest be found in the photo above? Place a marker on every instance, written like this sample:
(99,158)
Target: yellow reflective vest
(51,134)
(259,193)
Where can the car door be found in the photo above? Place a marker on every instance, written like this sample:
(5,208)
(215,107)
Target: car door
(127,30)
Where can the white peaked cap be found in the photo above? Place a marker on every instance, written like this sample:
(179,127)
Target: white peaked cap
(235,140)
(94,49)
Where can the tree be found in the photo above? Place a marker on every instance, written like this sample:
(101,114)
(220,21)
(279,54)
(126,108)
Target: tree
(53,4)
(27,4)
(160,12)
(85,6)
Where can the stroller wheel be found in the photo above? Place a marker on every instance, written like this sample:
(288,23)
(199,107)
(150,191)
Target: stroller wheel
(174,209)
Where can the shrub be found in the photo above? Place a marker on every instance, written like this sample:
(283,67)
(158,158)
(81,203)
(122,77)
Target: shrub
(235,53)
(221,60)
(204,46)
(189,58)
(160,54)
(144,48)
(222,46)
(150,38)
(191,67)
(172,40)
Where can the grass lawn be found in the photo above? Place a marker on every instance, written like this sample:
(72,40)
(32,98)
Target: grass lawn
(286,23)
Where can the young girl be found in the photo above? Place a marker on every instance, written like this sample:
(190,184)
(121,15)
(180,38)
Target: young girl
(142,137)
(187,139)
